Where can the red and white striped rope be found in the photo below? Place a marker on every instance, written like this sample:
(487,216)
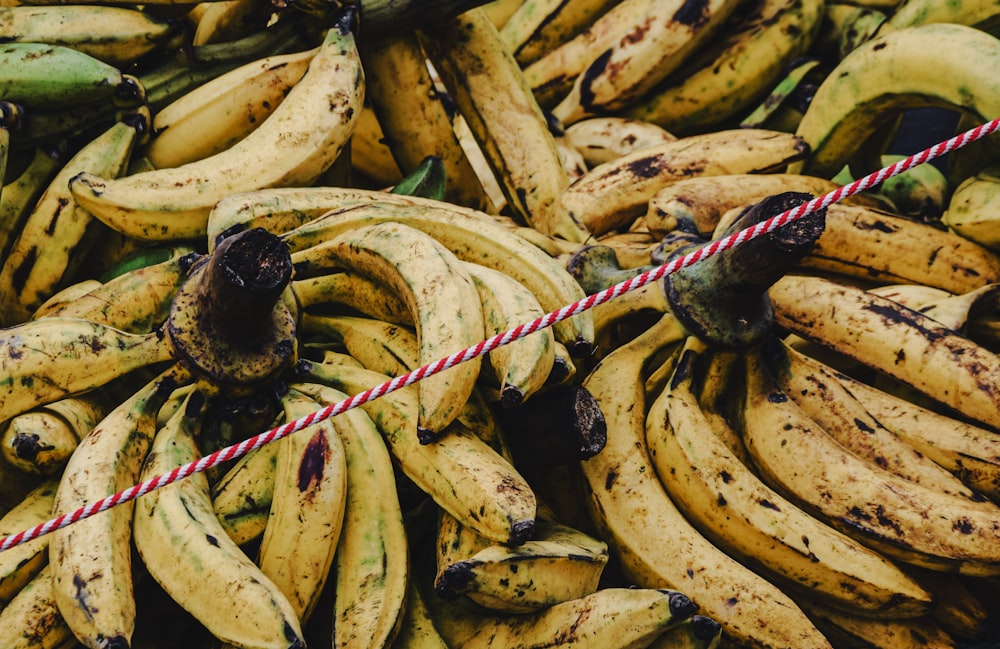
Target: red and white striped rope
(547,320)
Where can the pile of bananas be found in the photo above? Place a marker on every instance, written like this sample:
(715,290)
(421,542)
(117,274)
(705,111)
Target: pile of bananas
(220,217)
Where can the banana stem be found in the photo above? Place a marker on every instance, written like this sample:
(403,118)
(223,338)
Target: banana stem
(229,320)
(723,299)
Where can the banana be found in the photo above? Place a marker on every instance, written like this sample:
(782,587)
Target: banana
(697,632)
(63,296)
(957,609)
(552,74)
(724,499)
(42,440)
(52,358)
(138,300)
(413,115)
(493,97)
(970,452)
(91,559)
(926,65)
(855,239)
(439,294)
(523,365)
(826,401)
(47,77)
(622,488)
(417,630)
(921,193)
(898,518)
(472,236)
(971,210)
(605,138)
(609,617)
(18,196)
(242,497)
(308,502)
(185,549)
(357,293)
(221,112)
(663,40)
(459,471)
(230,20)
(57,233)
(20,564)
(613,194)
(778,109)
(117,36)
(371,158)
(378,345)
(984,15)
(723,81)
(31,619)
(539,26)
(865,633)
(558,564)
(294,145)
(892,339)
(372,563)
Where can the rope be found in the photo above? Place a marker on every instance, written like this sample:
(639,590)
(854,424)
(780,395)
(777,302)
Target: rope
(547,320)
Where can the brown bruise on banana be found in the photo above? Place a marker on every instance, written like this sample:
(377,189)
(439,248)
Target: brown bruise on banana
(313,464)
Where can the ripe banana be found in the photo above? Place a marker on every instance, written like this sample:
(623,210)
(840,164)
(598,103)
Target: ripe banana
(622,488)
(971,210)
(117,36)
(867,633)
(185,549)
(521,367)
(493,97)
(413,115)
(736,510)
(552,74)
(603,139)
(663,40)
(724,80)
(18,196)
(20,564)
(41,440)
(896,517)
(91,559)
(63,296)
(379,346)
(892,339)
(230,20)
(539,26)
(52,358)
(241,498)
(372,562)
(222,111)
(31,619)
(293,146)
(56,235)
(919,66)
(417,630)
(462,473)
(308,501)
(357,293)
(47,77)
(609,617)
(826,401)
(439,294)
(909,13)
(613,194)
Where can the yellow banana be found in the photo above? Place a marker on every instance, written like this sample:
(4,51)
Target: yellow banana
(357,293)
(552,74)
(184,547)
(241,498)
(31,619)
(886,336)
(523,366)
(51,243)
(378,345)
(896,517)
(697,632)
(219,113)
(20,564)
(116,35)
(230,20)
(613,194)
(724,80)
(971,210)
(18,196)
(918,66)
(737,511)
(622,489)
(539,26)
(298,141)
(372,562)
(984,14)
(666,36)
(91,559)
(462,473)
(413,116)
(867,633)
(493,96)
(63,296)
(958,610)
(308,502)
(417,630)
(41,440)
(371,158)
(439,294)
(605,138)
